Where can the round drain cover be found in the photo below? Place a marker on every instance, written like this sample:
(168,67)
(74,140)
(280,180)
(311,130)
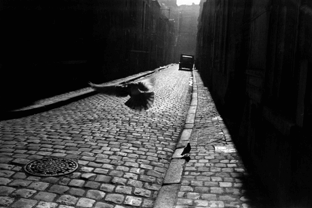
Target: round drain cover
(51,166)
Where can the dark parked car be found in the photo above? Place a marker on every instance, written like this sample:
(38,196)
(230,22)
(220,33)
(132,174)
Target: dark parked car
(186,62)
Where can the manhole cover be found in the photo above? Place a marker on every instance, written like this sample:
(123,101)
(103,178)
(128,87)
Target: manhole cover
(51,166)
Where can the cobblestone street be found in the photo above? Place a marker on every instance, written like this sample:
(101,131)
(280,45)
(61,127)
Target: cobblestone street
(128,158)
(123,155)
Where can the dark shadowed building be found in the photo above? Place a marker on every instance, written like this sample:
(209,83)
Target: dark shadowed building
(185,17)
(50,47)
(188,15)
(255,57)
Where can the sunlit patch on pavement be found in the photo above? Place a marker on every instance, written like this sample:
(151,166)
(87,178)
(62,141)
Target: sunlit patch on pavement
(225,149)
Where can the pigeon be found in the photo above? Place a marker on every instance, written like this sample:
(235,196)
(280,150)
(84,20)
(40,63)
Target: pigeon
(187,149)
(186,157)
(186,152)
(141,98)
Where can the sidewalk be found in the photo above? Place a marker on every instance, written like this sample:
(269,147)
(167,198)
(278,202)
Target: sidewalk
(215,175)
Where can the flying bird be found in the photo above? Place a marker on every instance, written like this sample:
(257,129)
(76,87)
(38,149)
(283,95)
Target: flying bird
(141,96)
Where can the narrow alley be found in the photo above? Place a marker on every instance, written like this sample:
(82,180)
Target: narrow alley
(123,155)
(241,114)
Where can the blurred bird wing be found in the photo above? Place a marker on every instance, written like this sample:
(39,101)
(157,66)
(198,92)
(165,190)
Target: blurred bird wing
(146,84)
(142,101)
(117,90)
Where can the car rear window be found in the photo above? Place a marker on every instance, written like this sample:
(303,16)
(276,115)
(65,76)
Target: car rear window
(186,58)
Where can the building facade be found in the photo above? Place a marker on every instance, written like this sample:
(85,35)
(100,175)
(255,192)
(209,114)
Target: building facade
(185,24)
(256,58)
(73,42)
(187,29)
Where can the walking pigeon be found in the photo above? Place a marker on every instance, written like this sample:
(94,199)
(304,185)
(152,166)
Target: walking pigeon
(186,152)
(141,98)
(187,149)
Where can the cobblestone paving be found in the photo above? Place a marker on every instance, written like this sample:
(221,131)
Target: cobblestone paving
(215,175)
(123,155)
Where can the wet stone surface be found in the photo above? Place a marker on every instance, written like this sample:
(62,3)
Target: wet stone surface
(122,155)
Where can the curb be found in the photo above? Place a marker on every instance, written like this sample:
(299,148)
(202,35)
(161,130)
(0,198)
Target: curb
(168,193)
(45,107)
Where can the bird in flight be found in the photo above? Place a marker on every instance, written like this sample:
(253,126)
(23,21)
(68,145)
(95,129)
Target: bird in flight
(141,97)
